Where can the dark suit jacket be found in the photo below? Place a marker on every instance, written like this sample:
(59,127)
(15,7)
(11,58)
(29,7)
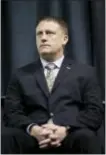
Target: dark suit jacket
(75,99)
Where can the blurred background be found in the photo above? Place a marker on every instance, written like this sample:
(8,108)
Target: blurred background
(86,22)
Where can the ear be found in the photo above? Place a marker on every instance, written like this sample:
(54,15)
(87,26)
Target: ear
(65,41)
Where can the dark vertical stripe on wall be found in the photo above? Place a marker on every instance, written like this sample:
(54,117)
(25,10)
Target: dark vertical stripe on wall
(56,8)
(23,32)
(98,32)
(78,17)
(43,8)
(91,32)
(5,44)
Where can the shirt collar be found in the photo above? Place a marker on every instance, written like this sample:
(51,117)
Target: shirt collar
(58,62)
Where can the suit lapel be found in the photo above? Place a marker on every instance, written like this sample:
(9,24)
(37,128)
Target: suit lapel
(41,78)
(63,73)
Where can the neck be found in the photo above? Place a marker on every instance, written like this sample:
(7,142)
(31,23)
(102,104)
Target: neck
(52,56)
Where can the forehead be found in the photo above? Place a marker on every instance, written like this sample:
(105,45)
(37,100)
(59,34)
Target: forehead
(47,25)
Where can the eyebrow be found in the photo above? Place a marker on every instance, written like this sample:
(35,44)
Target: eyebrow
(40,31)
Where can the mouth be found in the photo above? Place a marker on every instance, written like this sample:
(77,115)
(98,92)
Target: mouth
(44,45)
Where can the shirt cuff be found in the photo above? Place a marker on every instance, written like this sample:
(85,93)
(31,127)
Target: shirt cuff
(29,127)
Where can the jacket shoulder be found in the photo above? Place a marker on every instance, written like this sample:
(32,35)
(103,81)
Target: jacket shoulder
(27,69)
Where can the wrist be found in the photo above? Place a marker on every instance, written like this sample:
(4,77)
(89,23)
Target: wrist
(34,129)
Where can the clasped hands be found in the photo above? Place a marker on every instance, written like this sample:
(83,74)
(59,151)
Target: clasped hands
(49,135)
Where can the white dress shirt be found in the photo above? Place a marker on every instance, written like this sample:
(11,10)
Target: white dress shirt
(58,64)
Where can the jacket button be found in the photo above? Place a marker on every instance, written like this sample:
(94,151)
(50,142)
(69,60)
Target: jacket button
(51,114)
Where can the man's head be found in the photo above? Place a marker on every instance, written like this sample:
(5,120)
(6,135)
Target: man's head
(51,37)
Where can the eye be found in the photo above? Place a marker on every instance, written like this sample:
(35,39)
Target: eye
(39,33)
(50,32)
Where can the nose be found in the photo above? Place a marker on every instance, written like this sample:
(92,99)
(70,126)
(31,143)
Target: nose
(44,37)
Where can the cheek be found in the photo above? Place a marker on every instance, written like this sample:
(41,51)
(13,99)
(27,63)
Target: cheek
(37,42)
(58,43)
(55,40)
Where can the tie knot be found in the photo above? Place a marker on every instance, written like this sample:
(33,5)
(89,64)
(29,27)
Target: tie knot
(50,66)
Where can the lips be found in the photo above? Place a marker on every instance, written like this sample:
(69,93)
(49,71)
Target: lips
(44,45)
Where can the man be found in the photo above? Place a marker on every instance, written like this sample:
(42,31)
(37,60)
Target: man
(53,104)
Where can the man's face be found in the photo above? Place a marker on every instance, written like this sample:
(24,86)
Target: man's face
(50,38)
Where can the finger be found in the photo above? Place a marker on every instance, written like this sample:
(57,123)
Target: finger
(43,146)
(55,143)
(45,126)
(45,132)
(53,136)
(49,126)
(45,141)
(59,144)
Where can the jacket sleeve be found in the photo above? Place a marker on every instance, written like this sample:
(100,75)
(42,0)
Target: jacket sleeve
(13,107)
(92,114)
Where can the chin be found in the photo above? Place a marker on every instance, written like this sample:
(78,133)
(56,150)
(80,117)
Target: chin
(45,52)
(47,55)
